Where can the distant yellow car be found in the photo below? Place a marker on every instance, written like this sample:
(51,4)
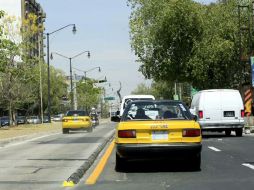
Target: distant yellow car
(157,129)
(76,120)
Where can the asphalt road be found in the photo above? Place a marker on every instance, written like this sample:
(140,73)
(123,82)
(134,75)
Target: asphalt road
(227,163)
(46,162)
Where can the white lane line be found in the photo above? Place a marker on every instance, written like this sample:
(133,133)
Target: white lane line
(214,149)
(29,140)
(248,165)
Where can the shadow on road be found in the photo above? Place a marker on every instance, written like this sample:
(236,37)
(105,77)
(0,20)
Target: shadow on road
(207,135)
(151,166)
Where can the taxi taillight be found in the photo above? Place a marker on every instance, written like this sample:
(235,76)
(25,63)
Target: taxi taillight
(127,134)
(191,132)
(65,120)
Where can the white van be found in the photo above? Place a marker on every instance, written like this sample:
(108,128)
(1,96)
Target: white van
(127,99)
(219,110)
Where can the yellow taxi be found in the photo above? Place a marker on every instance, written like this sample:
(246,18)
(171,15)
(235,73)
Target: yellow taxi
(76,120)
(157,129)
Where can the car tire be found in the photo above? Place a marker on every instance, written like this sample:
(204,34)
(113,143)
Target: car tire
(65,131)
(120,163)
(228,133)
(239,132)
(90,129)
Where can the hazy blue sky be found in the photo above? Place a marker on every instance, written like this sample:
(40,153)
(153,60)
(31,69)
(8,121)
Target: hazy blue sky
(102,28)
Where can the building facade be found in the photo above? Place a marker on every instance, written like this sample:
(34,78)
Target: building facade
(21,9)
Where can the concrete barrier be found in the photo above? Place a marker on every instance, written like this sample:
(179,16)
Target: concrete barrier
(249,124)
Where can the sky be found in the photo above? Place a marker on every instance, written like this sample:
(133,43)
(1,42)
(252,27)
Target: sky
(103,29)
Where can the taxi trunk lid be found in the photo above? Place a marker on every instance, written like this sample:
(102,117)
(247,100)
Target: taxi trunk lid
(157,131)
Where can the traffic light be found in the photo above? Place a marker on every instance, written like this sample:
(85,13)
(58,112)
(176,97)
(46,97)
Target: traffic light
(101,81)
(104,80)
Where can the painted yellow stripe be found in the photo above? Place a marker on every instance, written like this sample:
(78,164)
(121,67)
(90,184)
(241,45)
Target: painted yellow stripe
(68,184)
(99,168)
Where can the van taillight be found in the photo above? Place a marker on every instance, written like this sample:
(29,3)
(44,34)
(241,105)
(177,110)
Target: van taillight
(191,132)
(200,114)
(242,113)
(127,134)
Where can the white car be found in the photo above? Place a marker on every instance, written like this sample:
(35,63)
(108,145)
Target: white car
(127,99)
(33,120)
(57,118)
(219,110)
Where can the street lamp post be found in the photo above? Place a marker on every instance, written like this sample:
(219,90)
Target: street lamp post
(70,60)
(99,69)
(48,34)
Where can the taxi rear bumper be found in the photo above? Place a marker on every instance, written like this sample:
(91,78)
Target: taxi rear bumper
(175,150)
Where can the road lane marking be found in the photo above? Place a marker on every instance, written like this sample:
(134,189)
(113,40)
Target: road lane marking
(100,166)
(214,149)
(248,165)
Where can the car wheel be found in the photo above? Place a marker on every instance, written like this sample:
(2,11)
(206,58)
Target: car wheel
(90,129)
(65,131)
(120,163)
(239,132)
(228,133)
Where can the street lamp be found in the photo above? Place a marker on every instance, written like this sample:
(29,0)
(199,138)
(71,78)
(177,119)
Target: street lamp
(74,30)
(99,70)
(70,59)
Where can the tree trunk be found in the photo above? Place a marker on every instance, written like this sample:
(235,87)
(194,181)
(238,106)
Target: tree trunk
(10,114)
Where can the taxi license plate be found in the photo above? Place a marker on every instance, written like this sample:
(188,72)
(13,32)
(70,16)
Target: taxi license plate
(75,119)
(159,135)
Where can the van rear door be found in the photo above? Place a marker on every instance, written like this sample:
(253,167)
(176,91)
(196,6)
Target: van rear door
(212,107)
(231,106)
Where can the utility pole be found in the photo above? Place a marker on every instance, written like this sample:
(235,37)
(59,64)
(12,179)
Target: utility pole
(245,31)
(41,102)
(75,93)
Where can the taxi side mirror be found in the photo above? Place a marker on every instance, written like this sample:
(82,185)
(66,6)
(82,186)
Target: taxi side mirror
(115,119)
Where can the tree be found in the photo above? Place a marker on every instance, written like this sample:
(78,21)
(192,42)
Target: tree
(215,60)
(160,90)
(16,75)
(163,35)
(88,96)
(184,41)
(142,89)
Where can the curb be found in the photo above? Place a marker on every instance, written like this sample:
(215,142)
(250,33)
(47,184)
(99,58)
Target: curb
(78,174)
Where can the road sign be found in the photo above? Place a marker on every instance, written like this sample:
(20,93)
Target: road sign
(193,91)
(109,98)
(176,97)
